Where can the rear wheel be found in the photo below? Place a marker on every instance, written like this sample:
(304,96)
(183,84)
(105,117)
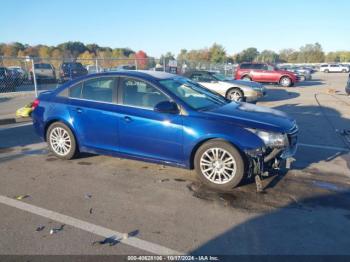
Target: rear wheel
(285,81)
(219,165)
(326,71)
(344,70)
(235,94)
(61,141)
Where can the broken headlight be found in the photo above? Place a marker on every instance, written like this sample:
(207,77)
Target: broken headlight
(273,140)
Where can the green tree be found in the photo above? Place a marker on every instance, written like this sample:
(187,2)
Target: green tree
(267,56)
(311,53)
(217,53)
(247,55)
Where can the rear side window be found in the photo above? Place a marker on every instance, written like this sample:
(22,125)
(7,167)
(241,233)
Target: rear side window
(98,89)
(75,91)
(245,66)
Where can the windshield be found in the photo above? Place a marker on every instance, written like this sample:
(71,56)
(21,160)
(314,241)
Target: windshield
(220,77)
(193,94)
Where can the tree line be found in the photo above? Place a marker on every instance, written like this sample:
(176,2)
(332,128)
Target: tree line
(310,53)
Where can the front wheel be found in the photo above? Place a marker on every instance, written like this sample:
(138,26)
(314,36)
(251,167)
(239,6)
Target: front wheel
(246,78)
(219,165)
(61,141)
(235,94)
(285,81)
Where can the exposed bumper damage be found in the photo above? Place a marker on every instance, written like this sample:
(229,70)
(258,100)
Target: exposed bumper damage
(265,160)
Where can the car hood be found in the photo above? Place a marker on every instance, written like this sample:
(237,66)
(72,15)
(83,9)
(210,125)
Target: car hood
(253,116)
(246,83)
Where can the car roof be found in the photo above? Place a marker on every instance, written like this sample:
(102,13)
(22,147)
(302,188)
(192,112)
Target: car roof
(137,73)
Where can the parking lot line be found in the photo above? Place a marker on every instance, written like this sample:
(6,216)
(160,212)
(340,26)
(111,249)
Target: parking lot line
(325,147)
(89,227)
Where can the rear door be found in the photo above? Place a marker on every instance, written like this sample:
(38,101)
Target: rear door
(256,72)
(335,68)
(94,113)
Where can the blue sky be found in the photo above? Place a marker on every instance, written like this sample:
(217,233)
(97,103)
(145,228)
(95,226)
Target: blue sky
(157,26)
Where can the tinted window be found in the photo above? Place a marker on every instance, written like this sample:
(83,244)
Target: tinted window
(324,65)
(245,66)
(258,66)
(334,66)
(75,91)
(202,77)
(140,94)
(42,66)
(72,65)
(99,89)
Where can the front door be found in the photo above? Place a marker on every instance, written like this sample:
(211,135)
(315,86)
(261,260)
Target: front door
(144,132)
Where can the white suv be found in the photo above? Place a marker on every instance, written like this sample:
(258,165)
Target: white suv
(334,68)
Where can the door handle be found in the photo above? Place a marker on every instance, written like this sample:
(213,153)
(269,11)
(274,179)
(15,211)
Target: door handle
(79,110)
(127,119)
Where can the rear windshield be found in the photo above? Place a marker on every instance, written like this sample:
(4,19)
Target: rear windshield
(42,66)
(72,65)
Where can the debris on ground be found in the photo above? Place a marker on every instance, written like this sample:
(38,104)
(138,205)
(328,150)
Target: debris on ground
(25,111)
(163,180)
(111,241)
(55,230)
(88,196)
(20,197)
(39,228)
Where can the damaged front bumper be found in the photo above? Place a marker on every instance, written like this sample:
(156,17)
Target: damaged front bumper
(265,160)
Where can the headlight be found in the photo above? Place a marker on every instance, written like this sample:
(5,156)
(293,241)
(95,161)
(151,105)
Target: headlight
(274,140)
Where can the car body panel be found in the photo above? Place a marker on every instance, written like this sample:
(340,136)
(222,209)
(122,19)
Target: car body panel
(252,91)
(144,134)
(262,72)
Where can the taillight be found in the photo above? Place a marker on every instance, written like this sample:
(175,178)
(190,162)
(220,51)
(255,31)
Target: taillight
(35,104)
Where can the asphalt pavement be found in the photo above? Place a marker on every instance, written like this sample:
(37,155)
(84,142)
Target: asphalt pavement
(105,205)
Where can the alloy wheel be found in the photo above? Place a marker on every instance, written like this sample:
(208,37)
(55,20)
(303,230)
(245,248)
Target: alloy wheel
(218,165)
(60,141)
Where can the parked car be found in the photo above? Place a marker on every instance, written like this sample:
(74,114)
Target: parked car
(23,73)
(334,68)
(71,70)
(15,76)
(347,88)
(164,118)
(265,73)
(44,72)
(92,69)
(122,67)
(6,84)
(303,74)
(236,90)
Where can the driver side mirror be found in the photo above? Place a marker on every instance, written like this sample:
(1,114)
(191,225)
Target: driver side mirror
(167,107)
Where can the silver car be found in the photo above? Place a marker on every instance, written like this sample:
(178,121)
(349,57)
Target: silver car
(236,90)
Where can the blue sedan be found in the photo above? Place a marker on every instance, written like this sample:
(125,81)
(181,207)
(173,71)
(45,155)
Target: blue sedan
(163,118)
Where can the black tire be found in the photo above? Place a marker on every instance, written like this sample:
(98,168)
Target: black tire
(235,94)
(285,81)
(73,145)
(326,71)
(246,78)
(239,164)
(344,70)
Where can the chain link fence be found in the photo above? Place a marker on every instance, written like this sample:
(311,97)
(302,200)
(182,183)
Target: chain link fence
(38,74)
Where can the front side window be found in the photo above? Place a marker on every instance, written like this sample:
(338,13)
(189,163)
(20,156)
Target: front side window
(138,93)
(245,66)
(193,94)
